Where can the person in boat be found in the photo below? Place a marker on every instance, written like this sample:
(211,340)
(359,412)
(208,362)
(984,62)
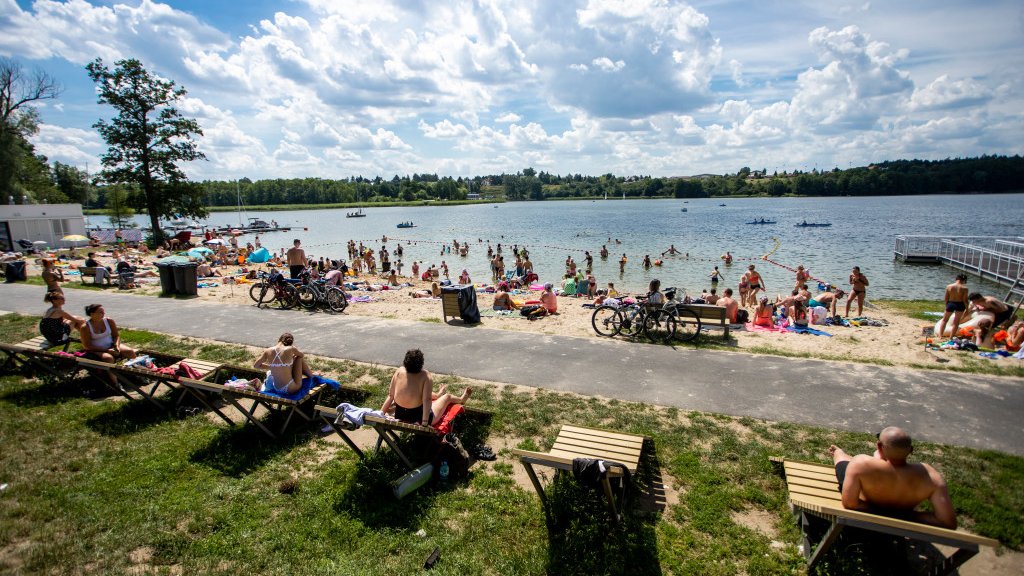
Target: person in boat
(805,223)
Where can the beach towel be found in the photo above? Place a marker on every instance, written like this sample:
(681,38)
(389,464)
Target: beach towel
(359,299)
(307,385)
(355,414)
(751,327)
(444,425)
(800,330)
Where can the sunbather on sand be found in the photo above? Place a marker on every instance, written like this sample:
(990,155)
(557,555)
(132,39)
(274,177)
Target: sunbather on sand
(434,292)
(886,483)
(411,393)
(285,365)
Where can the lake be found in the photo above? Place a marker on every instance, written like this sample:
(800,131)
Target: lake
(862,234)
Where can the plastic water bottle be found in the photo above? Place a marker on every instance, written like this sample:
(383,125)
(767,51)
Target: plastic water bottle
(443,472)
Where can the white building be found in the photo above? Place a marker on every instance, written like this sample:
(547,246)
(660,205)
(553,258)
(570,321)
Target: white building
(34,222)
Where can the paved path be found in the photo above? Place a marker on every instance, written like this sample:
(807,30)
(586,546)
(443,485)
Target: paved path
(964,410)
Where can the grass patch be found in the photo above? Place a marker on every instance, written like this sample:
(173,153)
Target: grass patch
(914,308)
(431,319)
(119,487)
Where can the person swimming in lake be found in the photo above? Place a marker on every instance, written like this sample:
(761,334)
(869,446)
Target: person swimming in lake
(411,393)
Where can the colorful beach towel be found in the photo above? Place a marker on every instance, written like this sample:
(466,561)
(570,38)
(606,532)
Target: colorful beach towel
(800,330)
(307,384)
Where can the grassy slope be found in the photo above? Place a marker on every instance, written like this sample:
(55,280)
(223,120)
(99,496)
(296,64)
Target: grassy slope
(97,486)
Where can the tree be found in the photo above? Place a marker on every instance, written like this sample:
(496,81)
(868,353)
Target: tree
(147,139)
(118,210)
(72,182)
(18,121)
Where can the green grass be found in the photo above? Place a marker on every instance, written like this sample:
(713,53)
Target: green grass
(100,486)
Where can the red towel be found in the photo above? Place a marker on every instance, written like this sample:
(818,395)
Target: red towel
(444,426)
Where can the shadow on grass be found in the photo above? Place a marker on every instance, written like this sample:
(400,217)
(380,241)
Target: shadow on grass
(52,390)
(858,552)
(242,448)
(581,536)
(131,417)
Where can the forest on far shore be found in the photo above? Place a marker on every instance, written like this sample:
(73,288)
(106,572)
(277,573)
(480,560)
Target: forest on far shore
(987,174)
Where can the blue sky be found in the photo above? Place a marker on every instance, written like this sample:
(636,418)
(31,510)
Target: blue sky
(337,88)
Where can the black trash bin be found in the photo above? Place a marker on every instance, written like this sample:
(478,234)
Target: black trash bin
(190,279)
(14,271)
(166,278)
(468,310)
(179,278)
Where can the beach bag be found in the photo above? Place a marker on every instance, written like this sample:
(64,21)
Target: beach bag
(452,451)
(742,316)
(532,311)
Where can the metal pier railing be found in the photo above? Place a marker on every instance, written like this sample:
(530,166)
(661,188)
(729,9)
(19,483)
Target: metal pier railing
(996,258)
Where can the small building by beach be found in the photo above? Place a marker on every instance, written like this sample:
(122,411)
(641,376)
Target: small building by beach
(39,222)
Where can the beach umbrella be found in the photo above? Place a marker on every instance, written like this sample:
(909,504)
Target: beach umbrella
(74,239)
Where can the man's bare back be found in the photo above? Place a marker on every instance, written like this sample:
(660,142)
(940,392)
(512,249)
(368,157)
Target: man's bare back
(887,482)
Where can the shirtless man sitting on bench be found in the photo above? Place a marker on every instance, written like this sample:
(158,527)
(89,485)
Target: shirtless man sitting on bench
(886,483)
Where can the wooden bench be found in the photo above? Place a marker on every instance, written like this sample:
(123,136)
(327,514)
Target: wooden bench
(212,386)
(450,305)
(18,355)
(814,492)
(709,315)
(619,450)
(90,272)
(144,381)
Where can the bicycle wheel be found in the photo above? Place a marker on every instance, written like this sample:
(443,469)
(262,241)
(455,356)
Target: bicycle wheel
(687,324)
(287,297)
(660,326)
(336,299)
(606,321)
(255,290)
(631,321)
(266,296)
(307,297)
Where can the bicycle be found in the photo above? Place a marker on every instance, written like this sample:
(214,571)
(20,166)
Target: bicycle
(672,320)
(273,289)
(317,292)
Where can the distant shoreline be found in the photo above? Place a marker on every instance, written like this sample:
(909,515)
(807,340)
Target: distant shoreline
(422,203)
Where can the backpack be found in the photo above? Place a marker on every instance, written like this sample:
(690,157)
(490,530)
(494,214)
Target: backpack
(742,316)
(533,310)
(452,451)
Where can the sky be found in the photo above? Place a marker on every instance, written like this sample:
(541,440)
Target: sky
(340,88)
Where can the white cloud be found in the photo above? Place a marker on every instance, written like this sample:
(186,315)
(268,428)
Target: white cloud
(508,117)
(606,64)
(946,93)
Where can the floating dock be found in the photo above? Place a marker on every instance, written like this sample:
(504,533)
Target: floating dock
(996,258)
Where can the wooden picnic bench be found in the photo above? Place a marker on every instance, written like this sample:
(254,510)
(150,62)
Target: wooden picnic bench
(814,492)
(36,353)
(617,449)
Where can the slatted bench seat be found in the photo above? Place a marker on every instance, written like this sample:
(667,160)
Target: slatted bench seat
(579,442)
(710,315)
(144,381)
(212,387)
(90,272)
(814,492)
(36,354)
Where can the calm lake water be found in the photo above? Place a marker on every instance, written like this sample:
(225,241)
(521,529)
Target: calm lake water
(862,234)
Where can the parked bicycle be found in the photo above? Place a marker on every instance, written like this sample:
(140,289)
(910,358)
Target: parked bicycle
(313,293)
(273,290)
(673,320)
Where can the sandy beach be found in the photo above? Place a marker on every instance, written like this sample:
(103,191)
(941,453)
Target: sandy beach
(899,343)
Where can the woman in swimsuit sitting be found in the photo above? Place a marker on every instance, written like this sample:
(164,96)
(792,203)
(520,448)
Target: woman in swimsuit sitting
(56,323)
(101,339)
(434,292)
(411,393)
(763,314)
(502,299)
(285,365)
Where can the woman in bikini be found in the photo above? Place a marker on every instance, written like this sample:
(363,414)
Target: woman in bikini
(763,314)
(411,393)
(285,365)
(56,323)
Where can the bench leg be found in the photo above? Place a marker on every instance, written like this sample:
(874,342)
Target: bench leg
(950,565)
(393,444)
(330,422)
(826,543)
(250,414)
(610,498)
(536,485)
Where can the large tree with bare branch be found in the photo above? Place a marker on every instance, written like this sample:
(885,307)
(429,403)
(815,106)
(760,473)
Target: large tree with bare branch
(147,140)
(19,91)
